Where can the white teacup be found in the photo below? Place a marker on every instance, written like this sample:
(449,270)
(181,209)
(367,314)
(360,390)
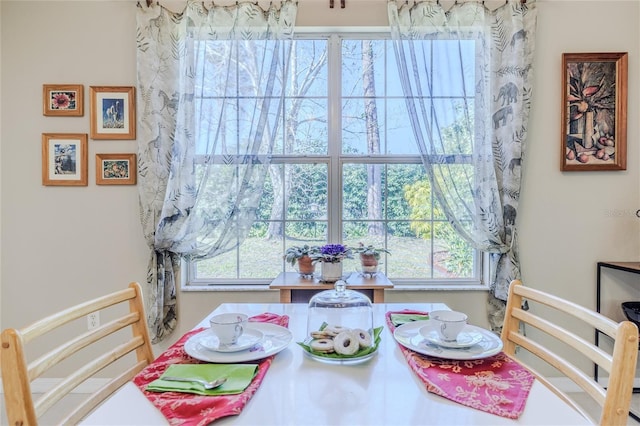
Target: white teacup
(448,324)
(228,327)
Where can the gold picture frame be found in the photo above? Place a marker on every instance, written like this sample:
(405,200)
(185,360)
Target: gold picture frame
(64,159)
(113,114)
(594,111)
(63,100)
(116,169)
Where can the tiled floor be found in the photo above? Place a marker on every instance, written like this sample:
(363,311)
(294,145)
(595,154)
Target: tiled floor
(49,419)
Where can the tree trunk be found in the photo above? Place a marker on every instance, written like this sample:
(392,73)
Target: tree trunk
(374,180)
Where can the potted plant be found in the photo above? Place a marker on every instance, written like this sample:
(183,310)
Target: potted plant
(331,256)
(369,257)
(302,256)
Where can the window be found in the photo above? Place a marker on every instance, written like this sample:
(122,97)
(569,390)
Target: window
(345,168)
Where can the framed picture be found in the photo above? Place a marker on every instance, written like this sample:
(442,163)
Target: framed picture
(594,111)
(64,159)
(63,99)
(115,169)
(113,113)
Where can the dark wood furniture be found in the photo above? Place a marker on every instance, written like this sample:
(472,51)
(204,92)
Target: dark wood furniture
(631,267)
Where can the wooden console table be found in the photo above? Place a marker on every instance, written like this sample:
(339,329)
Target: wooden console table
(294,288)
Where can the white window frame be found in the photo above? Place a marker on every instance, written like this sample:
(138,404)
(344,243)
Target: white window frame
(335,162)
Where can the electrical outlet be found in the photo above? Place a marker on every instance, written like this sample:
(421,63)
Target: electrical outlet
(93,320)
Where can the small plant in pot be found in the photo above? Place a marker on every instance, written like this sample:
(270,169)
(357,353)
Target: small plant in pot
(369,257)
(302,255)
(330,257)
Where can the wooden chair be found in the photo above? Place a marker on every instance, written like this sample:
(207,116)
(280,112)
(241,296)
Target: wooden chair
(520,327)
(122,345)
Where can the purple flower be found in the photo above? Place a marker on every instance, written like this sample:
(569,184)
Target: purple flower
(333,249)
(332,253)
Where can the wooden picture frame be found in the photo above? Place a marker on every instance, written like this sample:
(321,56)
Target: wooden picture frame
(64,159)
(113,113)
(63,100)
(116,169)
(594,111)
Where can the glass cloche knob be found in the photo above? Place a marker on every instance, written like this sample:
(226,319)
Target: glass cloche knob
(340,287)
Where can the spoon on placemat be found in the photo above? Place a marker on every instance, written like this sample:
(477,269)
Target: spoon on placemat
(207,385)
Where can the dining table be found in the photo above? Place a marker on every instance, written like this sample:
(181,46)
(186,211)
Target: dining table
(299,390)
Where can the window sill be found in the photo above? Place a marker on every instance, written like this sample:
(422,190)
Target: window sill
(396,287)
(439,287)
(230,287)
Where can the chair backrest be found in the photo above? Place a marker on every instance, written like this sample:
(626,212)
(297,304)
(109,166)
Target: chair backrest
(620,362)
(128,350)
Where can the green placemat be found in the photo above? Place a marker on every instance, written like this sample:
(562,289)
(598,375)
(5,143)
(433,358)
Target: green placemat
(399,319)
(238,376)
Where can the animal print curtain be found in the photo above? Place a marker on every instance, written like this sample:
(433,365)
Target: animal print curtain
(466,75)
(209,108)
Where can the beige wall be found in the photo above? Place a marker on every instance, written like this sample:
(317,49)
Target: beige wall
(61,245)
(0,164)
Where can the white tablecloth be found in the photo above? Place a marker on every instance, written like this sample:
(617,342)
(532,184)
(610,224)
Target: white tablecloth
(299,391)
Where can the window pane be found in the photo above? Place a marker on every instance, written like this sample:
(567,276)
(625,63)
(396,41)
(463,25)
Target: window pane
(363,126)
(359,56)
(410,256)
(453,258)
(401,199)
(400,139)
(309,69)
(224,266)
(363,196)
(305,191)
(306,126)
(243,263)
(260,257)
(453,74)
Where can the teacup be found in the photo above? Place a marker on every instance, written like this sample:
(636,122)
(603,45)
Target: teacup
(448,324)
(228,327)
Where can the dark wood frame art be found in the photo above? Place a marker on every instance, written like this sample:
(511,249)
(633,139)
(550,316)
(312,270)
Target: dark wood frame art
(594,111)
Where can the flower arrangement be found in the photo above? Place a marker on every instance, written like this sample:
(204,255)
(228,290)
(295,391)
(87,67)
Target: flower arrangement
(332,253)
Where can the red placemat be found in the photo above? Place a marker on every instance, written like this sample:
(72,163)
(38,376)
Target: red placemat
(497,384)
(190,409)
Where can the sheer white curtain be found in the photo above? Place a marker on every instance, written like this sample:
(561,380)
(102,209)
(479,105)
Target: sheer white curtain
(210,102)
(466,73)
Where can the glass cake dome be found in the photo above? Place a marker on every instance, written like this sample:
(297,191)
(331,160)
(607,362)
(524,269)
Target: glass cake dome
(340,326)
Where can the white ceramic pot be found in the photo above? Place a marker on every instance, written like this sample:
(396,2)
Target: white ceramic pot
(331,272)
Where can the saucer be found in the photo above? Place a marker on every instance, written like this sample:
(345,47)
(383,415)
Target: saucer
(275,339)
(408,335)
(467,337)
(249,338)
